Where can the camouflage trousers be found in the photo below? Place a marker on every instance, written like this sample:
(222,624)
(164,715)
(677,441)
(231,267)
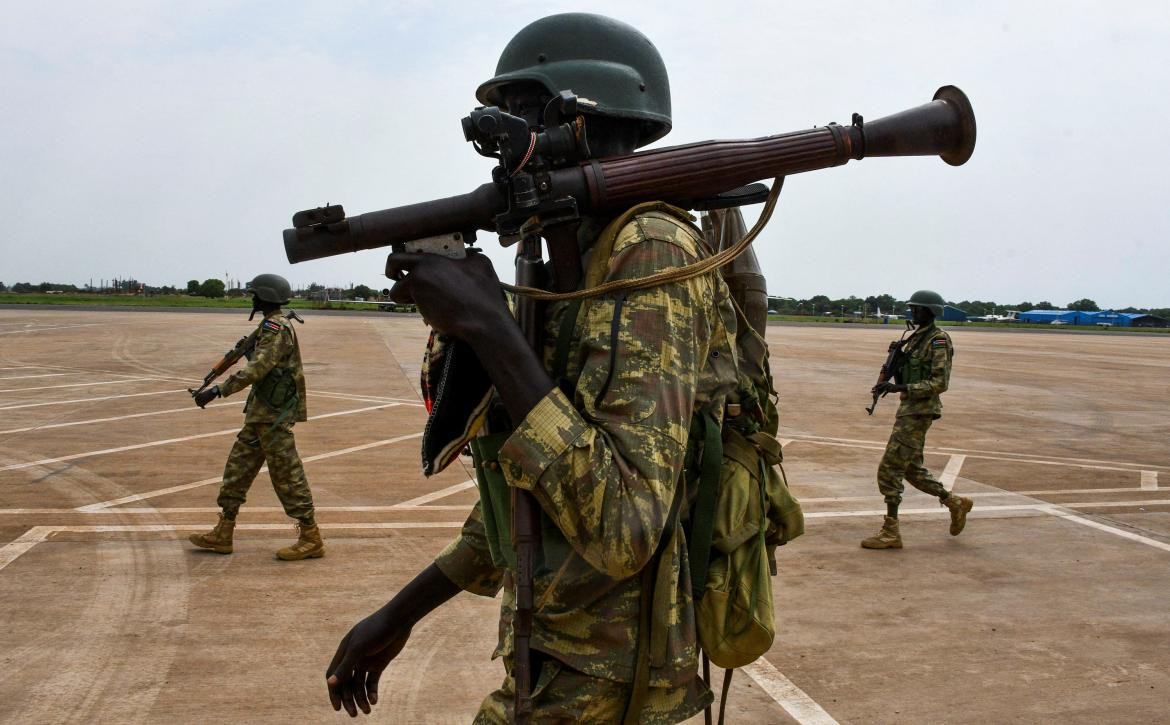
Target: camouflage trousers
(903,459)
(257,444)
(564,695)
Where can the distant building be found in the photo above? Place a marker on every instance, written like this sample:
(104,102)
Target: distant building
(1101,318)
(1141,319)
(1050,317)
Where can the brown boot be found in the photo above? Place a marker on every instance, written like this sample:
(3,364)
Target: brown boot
(887,538)
(218,539)
(308,546)
(959,507)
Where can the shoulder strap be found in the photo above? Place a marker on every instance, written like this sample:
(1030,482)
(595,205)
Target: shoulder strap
(703,514)
(599,258)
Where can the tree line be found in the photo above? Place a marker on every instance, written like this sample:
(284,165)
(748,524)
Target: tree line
(817,305)
(852,306)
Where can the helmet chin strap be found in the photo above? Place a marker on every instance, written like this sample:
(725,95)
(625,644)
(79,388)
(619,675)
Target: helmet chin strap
(255,307)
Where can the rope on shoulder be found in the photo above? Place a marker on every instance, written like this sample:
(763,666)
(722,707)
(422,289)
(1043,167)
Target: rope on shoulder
(671,275)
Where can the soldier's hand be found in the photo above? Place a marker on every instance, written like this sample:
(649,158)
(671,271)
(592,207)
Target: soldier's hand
(456,296)
(352,676)
(203,397)
(887,387)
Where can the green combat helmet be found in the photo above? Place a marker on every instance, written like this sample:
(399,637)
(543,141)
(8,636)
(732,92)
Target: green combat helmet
(932,301)
(270,288)
(612,68)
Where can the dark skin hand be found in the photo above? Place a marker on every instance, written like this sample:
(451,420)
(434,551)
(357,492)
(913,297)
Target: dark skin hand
(363,654)
(462,298)
(888,387)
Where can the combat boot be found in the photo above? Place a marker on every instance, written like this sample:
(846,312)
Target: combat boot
(308,546)
(959,507)
(887,538)
(218,539)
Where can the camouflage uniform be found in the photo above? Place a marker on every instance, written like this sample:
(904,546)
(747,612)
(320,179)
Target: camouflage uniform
(927,373)
(603,453)
(275,402)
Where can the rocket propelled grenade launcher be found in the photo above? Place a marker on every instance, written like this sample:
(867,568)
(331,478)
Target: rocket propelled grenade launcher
(545,172)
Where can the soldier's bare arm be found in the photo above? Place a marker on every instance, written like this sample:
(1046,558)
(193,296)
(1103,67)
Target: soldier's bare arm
(365,651)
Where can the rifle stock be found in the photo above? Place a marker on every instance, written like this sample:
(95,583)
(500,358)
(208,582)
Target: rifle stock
(682,175)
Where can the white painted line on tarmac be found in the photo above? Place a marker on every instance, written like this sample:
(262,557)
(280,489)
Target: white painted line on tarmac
(185,409)
(1002,493)
(168,441)
(1149,480)
(1111,529)
(435,495)
(90,400)
(1011,457)
(795,702)
(49,327)
(951,472)
(39,375)
(990,455)
(91,508)
(13,550)
(363,396)
(78,385)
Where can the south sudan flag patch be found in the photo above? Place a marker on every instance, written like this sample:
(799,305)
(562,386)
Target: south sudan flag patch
(271,326)
(938,342)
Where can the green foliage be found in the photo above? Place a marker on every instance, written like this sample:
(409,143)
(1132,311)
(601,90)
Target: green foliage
(3,288)
(1084,305)
(362,291)
(211,288)
(192,286)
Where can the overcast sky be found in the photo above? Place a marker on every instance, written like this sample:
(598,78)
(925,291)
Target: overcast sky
(170,141)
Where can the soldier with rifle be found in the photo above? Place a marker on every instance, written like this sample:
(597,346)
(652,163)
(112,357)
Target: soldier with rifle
(921,374)
(276,402)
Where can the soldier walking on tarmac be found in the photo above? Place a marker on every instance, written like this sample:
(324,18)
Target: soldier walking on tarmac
(275,402)
(923,378)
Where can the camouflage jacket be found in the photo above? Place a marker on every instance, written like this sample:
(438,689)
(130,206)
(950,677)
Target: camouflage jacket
(274,371)
(603,453)
(926,372)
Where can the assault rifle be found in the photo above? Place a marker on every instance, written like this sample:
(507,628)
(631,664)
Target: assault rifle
(545,182)
(243,348)
(895,356)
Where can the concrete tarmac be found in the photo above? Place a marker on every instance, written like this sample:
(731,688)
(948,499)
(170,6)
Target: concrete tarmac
(1049,607)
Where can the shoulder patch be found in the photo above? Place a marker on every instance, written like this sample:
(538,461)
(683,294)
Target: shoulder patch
(938,342)
(271,326)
